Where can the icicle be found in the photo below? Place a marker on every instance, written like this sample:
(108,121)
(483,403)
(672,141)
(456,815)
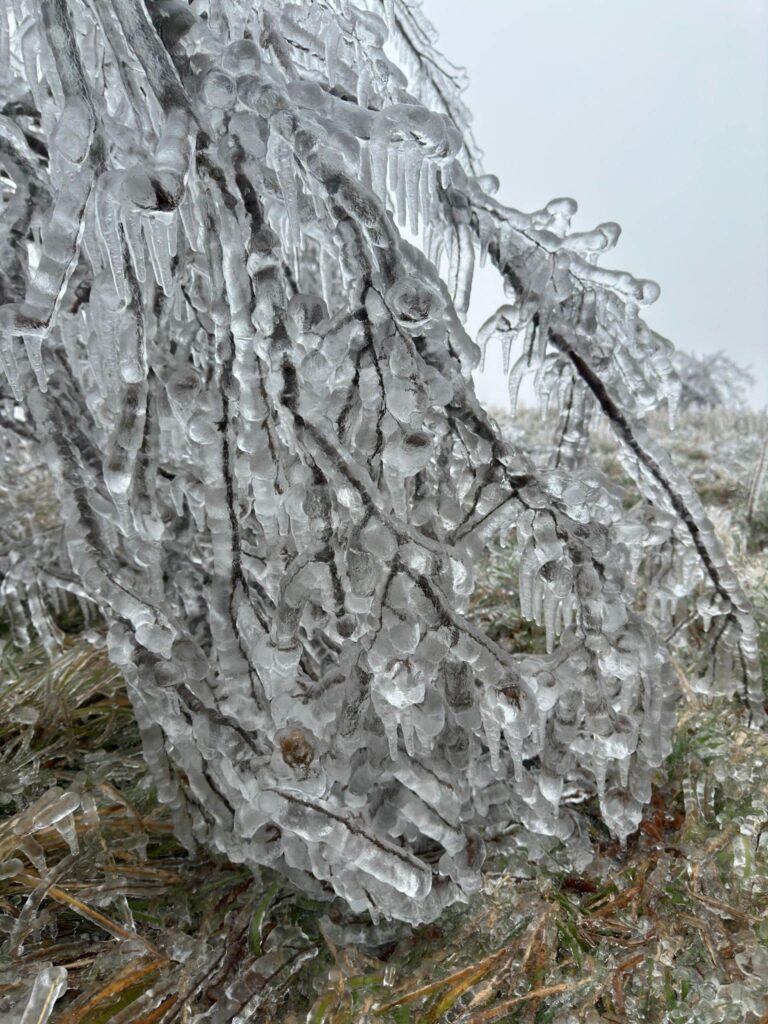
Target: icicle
(397,177)
(363,80)
(49,985)
(379,155)
(156,231)
(484,338)
(599,766)
(132,228)
(173,235)
(34,347)
(390,730)
(462,268)
(11,595)
(542,334)
(332,41)
(430,213)
(515,746)
(286,176)
(108,221)
(413,170)
(529,563)
(29,33)
(407,729)
(515,380)
(5,45)
(551,608)
(66,828)
(189,224)
(118,477)
(47,633)
(49,810)
(630,322)
(506,351)
(10,366)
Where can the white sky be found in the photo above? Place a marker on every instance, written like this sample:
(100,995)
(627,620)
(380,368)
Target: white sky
(652,113)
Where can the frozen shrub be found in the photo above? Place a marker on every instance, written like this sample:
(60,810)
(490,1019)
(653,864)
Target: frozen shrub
(710,381)
(255,399)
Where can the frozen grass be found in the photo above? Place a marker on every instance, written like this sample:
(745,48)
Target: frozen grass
(672,929)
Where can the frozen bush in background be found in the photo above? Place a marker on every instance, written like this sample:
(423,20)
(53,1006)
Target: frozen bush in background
(711,381)
(255,399)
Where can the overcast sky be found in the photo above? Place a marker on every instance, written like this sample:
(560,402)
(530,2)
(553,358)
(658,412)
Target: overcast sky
(652,113)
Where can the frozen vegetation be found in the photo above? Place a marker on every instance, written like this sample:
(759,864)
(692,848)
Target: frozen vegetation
(670,929)
(273,477)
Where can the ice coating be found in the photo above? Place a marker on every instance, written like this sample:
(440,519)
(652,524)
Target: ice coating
(49,985)
(255,399)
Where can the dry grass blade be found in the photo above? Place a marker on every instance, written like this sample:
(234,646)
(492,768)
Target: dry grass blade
(474,972)
(616,902)
(724,908)
(617,982)
(94,916)
(539,993)
(157,1013)
(127,977)
(456,990)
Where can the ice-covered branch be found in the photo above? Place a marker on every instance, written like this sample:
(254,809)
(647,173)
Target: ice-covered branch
(273,475)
